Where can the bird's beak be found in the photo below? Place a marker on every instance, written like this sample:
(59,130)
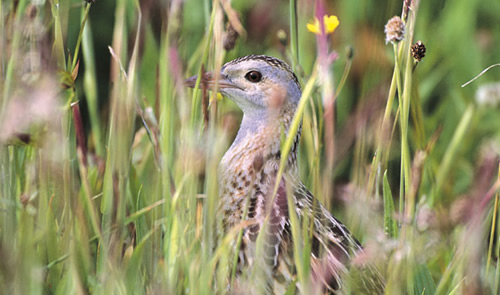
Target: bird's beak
(209,80)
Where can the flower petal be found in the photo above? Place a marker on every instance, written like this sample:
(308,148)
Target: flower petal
(314,28)
(331,23)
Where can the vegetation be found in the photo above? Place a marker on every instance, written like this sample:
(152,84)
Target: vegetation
(108,164)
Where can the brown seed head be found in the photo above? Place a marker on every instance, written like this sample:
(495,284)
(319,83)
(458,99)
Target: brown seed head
(394,30)
(418,51)
(230,37)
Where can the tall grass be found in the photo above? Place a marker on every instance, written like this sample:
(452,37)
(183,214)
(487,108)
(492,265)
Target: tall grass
(108,164)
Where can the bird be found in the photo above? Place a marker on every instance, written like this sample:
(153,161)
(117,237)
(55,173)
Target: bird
(268,92)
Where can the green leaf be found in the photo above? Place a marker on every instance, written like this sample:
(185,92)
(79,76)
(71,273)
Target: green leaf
(390,225)
(423,282)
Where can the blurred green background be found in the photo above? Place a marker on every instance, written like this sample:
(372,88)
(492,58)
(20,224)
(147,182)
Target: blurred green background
(108,175)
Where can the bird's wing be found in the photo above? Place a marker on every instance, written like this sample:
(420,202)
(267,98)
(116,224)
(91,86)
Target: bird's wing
(333,247)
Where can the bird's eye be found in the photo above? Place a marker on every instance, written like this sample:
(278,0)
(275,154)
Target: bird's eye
(253,76)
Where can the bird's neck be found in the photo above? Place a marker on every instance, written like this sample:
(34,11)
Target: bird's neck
(251,163)
(260,136)
(262,129)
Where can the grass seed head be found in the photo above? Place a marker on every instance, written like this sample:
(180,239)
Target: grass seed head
(394,30)
(418,51)
(230,37)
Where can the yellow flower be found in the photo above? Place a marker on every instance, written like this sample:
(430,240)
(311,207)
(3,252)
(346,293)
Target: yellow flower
(331,22)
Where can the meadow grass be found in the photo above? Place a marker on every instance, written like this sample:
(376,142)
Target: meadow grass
(108,163)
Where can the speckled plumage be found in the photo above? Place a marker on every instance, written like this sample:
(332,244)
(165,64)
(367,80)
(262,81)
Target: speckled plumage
(247,175)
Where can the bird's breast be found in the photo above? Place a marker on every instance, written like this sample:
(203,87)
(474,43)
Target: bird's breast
(244,180)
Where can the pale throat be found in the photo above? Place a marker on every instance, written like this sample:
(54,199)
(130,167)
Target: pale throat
(259,138)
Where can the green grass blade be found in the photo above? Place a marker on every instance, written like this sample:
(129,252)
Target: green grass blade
(390,224)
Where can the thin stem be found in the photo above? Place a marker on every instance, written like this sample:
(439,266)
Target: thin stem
(203,61)
(492,233)
(347,69)
(79,40)
(294,127)
(385,122)
(238,242)
(13,59)
(497,250)
(294,35)
(403,131)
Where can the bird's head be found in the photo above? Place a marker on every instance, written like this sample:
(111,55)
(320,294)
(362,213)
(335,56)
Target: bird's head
(256,83)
